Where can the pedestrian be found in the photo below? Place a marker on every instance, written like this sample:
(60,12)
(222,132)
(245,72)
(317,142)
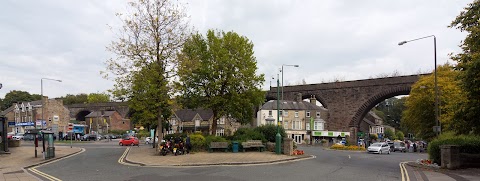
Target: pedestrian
(414,147)
(188,144)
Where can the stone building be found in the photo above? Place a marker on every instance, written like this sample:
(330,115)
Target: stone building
(191,120)
(302,120)
(28,116)
(102,122)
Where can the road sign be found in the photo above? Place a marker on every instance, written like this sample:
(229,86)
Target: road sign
(11,124)
(436,129)
(70,126)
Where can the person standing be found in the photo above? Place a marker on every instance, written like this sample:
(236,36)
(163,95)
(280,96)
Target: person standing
(188,144)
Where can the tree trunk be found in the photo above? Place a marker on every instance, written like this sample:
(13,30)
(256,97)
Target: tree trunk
(154,136)
(214,124)
(159,128)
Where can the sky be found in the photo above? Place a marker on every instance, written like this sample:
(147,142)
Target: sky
(329,39)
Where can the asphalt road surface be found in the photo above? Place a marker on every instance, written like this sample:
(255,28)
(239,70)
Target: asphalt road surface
(100,162)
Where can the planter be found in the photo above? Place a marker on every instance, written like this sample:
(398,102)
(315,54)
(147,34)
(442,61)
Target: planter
(13,143)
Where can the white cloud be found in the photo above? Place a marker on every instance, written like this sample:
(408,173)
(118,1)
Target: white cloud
(328,39)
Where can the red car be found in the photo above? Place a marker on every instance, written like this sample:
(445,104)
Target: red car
(129,141)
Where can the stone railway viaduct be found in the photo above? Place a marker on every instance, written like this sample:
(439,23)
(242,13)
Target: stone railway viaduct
(348,102)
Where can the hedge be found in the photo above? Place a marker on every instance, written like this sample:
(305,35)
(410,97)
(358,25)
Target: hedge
(467,143)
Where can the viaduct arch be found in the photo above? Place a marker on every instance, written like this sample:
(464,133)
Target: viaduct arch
(348,102)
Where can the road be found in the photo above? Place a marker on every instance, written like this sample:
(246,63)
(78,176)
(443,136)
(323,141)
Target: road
(100,162)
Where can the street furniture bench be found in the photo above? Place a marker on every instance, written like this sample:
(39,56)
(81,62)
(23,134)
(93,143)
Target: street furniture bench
(218,145)
(253,144)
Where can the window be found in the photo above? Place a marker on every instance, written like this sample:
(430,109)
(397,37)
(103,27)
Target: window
(281,112)
(318,125)
(308,114)
(220,132)
(286,113)
(318,114)
(221,120)
(296,114)
(285,124)
(269,113)
(307,126)
(297,125)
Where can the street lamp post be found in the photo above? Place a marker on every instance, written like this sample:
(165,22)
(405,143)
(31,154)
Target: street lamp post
(437,113)
(43,102)
(282,75)
(278,137)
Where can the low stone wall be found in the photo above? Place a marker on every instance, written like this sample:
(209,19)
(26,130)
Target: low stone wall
(270,146)
(451,158)
(288,146)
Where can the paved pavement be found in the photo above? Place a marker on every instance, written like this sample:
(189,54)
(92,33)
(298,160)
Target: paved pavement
(145,156)
(423,173)
(11,165)
(101,160)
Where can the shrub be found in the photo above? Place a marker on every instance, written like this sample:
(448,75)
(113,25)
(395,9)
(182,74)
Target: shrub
(351,147)
(270,131)
(399,134)
(198,142)
(244,134)
(174,135)
(467,143)
(373,137)
(211,138)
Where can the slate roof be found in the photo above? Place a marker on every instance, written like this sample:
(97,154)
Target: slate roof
(189,114)
(95,114)
(291,105)
(11,108)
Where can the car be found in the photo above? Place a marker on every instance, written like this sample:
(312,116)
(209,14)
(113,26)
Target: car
(10,135)
(149,140)
(18,136)
(399,146)
(129,140)
(28,137)
(379,147)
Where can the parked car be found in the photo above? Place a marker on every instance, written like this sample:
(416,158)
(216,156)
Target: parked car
(10,135)
(28,137)
(18,136)
(399,146)
(132,141)
(149,140)
(380,147)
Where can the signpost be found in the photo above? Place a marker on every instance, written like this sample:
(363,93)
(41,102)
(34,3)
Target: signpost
(70,128)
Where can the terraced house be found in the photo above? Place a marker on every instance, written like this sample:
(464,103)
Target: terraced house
(303,121)
(192,120)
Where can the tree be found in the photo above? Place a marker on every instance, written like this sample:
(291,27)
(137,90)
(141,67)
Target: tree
(152,33)
(389,134)
(98,97)
(419,115)
(15,96)
(469,66)
(391,109)
(70,99)
(218,72)
(399,135)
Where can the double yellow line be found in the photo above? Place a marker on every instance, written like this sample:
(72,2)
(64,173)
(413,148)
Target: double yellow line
(404,171)
(49,177)
(120,160)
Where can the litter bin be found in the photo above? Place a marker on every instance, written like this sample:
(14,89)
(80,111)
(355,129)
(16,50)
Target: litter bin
(235,146)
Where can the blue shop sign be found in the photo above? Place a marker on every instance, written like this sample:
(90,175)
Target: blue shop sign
(11,124)
(26,124)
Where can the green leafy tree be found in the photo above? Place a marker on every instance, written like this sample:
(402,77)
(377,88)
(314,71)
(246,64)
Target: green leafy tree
(392,110)
(70,99)
(218,72)
(153,32)
(419,115)
(399,135)
(389,134)
(98,98)
(468,63)
(15,96)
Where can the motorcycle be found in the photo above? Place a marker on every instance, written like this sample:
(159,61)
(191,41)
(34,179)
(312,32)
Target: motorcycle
(166,148)
(179,149)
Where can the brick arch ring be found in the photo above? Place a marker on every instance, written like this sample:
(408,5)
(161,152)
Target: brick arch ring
(374,100)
